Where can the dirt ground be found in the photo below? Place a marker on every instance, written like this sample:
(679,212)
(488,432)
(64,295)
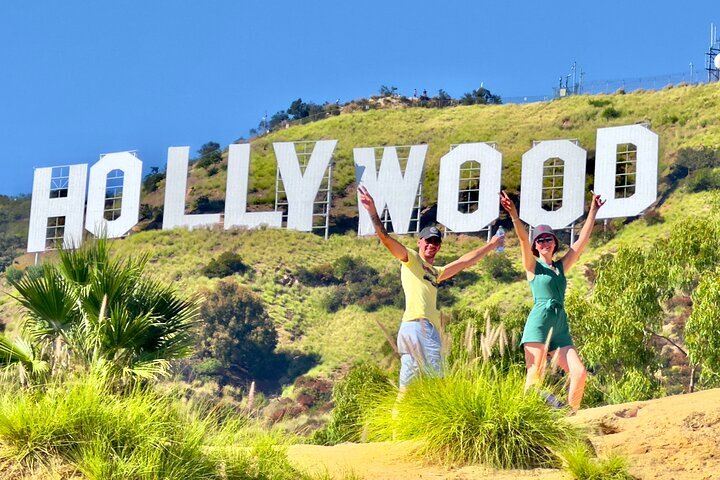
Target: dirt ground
(673,438)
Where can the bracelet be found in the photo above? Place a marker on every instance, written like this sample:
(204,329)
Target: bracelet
(514,218)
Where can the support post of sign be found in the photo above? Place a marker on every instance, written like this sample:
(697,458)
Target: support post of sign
(278,191)
(328,199)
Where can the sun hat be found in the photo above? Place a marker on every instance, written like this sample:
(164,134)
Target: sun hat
(430,232)
(543,230)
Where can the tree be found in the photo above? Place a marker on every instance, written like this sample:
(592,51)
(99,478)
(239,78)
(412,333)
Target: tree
(481,96)
(614,326)
(276,120)
(237,331)
(386,91)
(208,149)
(210,154)
(701,330)
(106,312)
(620,324)
(152,179)
(443,99)
(298,109)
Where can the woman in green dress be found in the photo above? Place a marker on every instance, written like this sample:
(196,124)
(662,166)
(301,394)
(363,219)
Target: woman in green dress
(546,330)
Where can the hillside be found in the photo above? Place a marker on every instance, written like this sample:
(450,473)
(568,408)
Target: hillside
(671,438)
(684,117)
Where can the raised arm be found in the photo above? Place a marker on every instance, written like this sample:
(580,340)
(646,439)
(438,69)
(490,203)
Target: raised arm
(580,244)
(397,249)
(469,259)
(525,248)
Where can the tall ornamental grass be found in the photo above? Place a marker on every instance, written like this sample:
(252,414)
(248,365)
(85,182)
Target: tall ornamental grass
(475,414)
(85,427)
(581,464)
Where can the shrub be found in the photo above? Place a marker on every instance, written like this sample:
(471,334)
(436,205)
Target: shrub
(635,385)
(203,204)
(603,233)
(228,263)
(363,386)
(698,158)
(610,112)
(313,392)
(34,272)
(237,331)
(208,368)
(475,415)
(13,274)
(703,179)
(321,275)
(333,300)
(653,217)
(357,284)
(599,102)
(137,435)
(352,270)
(500,267)
(582,465)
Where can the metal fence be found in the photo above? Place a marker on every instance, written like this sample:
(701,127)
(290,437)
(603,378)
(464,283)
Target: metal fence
(595,87)
(629,84)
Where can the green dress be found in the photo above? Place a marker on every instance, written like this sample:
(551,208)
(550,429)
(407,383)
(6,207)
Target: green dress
(548,289)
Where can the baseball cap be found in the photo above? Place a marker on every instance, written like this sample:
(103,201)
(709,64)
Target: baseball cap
(430,232)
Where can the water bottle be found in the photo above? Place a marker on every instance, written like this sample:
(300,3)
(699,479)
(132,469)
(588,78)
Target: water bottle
(501,234)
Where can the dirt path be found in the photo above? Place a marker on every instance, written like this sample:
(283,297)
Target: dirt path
(673,438)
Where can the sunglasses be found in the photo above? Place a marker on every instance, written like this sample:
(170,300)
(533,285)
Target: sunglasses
(433,241)
(544,240)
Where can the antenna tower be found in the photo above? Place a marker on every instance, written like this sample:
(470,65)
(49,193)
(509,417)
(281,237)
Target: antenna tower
(572,83)
(712,57)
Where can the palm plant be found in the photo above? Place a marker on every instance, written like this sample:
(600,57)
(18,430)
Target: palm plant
(105,313)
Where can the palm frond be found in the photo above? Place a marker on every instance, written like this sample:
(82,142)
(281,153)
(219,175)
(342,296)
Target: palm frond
(51,303)
(20,352)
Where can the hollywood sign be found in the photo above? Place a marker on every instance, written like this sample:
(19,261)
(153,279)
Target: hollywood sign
(389,184)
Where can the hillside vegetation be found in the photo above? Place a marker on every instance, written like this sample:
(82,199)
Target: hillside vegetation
(210,339)
(331,317)
(683,117)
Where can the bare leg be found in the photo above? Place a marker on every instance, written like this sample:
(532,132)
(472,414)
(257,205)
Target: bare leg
(535,358)
(569,360)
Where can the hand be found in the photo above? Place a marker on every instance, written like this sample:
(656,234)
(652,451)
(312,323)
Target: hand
(497,242)
(597,202)
(508,204)
(366,200)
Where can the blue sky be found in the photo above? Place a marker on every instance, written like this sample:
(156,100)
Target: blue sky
(83,78)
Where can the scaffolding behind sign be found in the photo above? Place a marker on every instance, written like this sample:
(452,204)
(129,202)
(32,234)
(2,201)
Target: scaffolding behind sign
(469,190)
(323,199)
(403,153)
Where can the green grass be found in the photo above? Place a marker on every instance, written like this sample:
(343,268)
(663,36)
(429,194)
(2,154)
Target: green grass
(351,334)
(681,116)
(581,464)
(82,425)
(475,415)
